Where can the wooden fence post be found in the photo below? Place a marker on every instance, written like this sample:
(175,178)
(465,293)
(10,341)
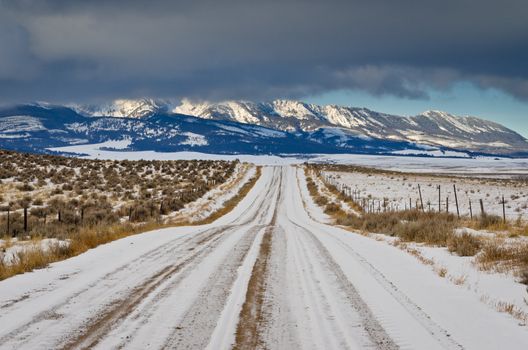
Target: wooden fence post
(8,219)
(456,200)
(470,210)
(421,199)
(447,204)
(25,220)
(503,209)
(482,212)
(439,199)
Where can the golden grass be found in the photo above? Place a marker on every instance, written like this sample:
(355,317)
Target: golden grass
(411,225)
(339,195)
(464,244)
(437,229)
(503,256)
(331,208)
(35,257)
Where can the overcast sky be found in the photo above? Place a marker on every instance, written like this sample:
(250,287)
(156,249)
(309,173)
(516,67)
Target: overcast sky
(405,51)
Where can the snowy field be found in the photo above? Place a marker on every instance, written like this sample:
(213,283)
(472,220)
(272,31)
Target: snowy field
(399,189)
(481,166)
(116,150)
(469,166)
(322,288)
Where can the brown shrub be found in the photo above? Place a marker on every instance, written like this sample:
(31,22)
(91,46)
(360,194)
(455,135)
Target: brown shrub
(524,277)
(464,244)
(503,256)
(332,208)
(320,200)
(25,187)
(487,222)
(410,225)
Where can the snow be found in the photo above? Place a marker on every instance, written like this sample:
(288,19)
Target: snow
(123,108)
(194,139)
(14,136)
(188,107)
(433,153)
(20,123)
(289,109)
(183,287)
(215,198)
(480,165)
(269,132)
(440,128)
(457,122)
(474,166)
(399,188)
(434,303)
(240,111)
(9,250)
(102,151)
(223,336)
(233,129)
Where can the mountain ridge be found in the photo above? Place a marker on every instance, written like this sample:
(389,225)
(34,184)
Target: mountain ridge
(306,127)
(434,128)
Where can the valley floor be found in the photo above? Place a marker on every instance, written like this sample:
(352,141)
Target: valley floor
(266,275)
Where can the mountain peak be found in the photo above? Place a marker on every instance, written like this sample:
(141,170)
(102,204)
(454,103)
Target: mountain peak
(125,108)
(432,127)
(329,126)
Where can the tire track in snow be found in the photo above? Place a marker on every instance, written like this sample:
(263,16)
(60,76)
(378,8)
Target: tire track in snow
(147,314)
(205,311)
(223,279)
(377,334)
(441,335)
(117,312)
(328,292)
(252,318)
(54,316)
(120,312)
(54,312)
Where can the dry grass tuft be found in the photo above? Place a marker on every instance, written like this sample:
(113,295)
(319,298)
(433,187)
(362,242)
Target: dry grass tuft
(410,225)
(509,308)
(524,277)
(491,222)
(88,237)
(464,244)
(500,256)
(332,208)
(441,271)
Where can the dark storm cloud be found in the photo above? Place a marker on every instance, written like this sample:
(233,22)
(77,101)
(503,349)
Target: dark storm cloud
(83,50)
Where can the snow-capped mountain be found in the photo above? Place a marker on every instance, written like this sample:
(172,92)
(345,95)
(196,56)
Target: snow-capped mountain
(434,128)
(124,108)
(36,128)
(245,127)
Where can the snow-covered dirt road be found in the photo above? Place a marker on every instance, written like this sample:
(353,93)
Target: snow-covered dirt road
(269,275)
